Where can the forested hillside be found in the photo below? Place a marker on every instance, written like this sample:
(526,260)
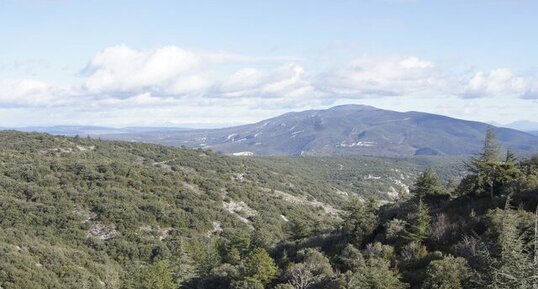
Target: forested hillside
(381,177)
(84,213)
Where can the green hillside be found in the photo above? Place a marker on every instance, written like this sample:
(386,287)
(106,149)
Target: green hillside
(85,213)
(380,177)
(77,211)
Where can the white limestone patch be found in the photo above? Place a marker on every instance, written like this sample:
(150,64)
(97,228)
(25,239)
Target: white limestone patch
(239,207)
(241,210)
(86,215)
(164,164)
(328,209)
(357,144)
(371,177)
(392,193)
(243,154)
(238,177)
(85,148)
(160,232)
(193,188)
(217,229)
(231,136)
(402,185)
(57,150)
(102,231)
(295,133)
(341,193)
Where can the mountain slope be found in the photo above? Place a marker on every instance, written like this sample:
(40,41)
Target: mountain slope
(79,213)
(523,125)
(346,130)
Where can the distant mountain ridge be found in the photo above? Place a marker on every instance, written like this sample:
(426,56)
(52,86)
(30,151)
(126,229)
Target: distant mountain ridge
(85,130)
(344,130)
(522,125)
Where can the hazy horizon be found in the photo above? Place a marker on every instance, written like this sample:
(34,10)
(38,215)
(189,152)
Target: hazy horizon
(523,125)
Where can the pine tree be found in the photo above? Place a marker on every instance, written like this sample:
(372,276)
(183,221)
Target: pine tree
(299,229)
(156,276)
(421,224)
(508,175)
(360,221)
(447,273)
(260,267)
(376,275)
(351,259)
(182,265)
(427,184)
(491,150)
(485,167)
(514,269)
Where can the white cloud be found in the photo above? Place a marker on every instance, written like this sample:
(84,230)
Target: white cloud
(288,82)
(414,62)
(168,70)
(498,82)
(245,79)
(369,77)
(172,82)
(28,92)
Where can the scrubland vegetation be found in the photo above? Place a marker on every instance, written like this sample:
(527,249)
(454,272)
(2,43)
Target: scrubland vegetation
(85,213)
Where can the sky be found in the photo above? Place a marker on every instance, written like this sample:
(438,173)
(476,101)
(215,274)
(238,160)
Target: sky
(219,63)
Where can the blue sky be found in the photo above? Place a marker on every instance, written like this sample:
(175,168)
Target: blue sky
(226,62)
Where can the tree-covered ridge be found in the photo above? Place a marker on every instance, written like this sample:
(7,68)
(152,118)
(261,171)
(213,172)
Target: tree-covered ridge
(381,177)
(77,211)
(71,218)
(482,234)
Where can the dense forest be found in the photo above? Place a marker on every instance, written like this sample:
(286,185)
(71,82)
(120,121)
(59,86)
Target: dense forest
(85,213)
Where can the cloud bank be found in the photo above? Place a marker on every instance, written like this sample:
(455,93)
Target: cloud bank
(124,80)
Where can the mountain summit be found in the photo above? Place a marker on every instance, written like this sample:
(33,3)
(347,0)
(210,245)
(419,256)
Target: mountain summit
(346,130)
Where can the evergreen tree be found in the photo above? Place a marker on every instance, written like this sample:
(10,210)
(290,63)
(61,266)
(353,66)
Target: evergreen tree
(485,167)
(420,226)
(260,267)
(491,150)
(299,229)
(351,259)
(447,273)
(182,265)
(156,276)
(508,175)
(514,267)
(376,275)
(360,221)
(427,184)
(205,255)
(234,245)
